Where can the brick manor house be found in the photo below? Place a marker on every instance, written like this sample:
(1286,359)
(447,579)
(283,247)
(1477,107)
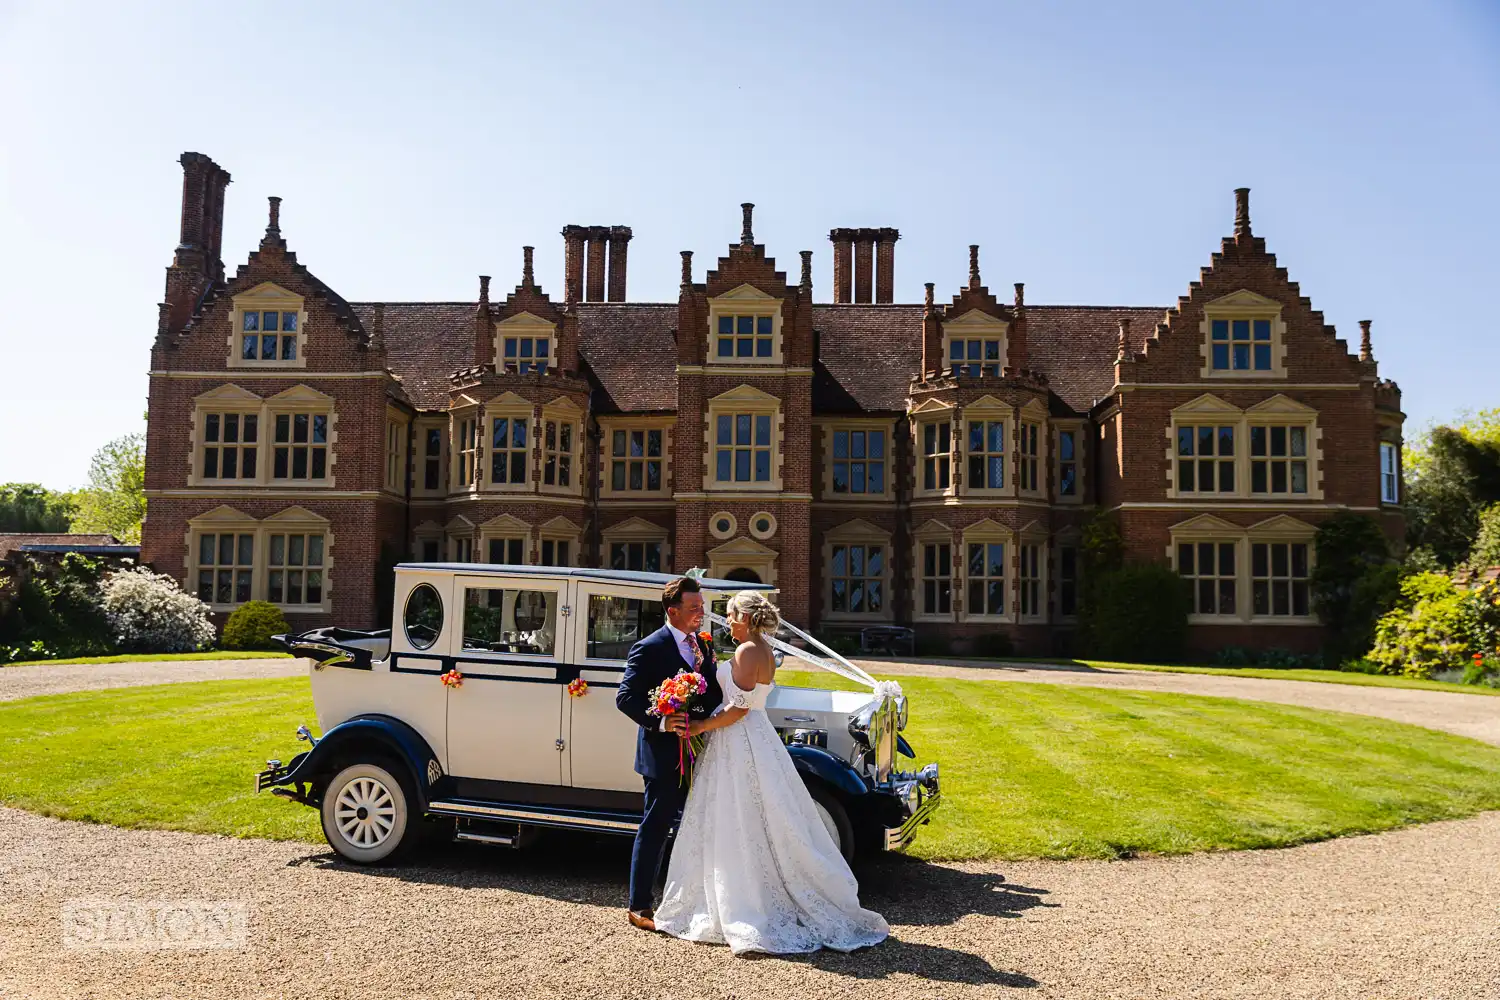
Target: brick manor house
(927,464)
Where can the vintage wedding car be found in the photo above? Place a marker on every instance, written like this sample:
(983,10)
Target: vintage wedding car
(461,716)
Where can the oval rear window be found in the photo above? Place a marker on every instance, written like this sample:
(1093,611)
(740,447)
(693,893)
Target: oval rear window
(424,616)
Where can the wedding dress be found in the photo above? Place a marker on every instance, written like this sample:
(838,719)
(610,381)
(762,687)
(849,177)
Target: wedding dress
(754,866)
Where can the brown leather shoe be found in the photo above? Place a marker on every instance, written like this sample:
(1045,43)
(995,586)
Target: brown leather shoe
(642,919)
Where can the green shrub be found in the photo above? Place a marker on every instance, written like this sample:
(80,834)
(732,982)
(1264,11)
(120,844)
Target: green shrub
(933,645)
(56,612)
(1354,582)
(1424,633)
(1137,613)
(1234,656)
(252,625)
(1360,665)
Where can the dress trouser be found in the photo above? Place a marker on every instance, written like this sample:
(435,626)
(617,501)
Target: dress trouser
(664,798)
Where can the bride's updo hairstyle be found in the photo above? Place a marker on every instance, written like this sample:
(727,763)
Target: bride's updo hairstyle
(756,611)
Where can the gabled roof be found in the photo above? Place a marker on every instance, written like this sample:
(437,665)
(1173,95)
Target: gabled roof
(630,349)
(425,342)
(868,354)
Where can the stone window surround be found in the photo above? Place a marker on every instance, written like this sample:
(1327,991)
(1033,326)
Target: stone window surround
(858,532)
(291,520)
(1032,534)
(1276,410)
(397,423)
(1392,497)
(636,529)
(422,425)
(826,429)
(984,532)
(743,399)
(231,398)
(745,300)
(558,529)
(561,410)
(743,553)
(975,325)
(503,526)
(935,412)
(460,528)
(1280,528)
(427,531)
(607,427)
(1081,440)
(1243,304)
(723,515)
(1067,538)
(525,324)
(265,296)
(755,519)
(930,533)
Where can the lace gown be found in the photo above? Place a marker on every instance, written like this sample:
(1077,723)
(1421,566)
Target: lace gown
(754,867)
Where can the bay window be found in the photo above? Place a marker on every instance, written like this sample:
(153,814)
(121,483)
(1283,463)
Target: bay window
(986,579)
(1067,463)
(557,453)
(1390,459)
(509,453)
(937,578)
(986,454)
(937,449)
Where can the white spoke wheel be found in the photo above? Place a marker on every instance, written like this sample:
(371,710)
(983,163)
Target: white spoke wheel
(365,813)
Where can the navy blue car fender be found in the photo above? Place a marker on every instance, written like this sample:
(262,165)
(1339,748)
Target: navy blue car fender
(380,731)
(830,769)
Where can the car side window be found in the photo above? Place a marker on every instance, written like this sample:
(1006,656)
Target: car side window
(423,617)
(510,621)
(617,623)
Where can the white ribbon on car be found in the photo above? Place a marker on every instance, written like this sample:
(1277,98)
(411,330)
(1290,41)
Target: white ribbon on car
(830,661)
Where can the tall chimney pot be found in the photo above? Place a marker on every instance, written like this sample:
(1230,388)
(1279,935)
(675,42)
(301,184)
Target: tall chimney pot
(973,265)
(807,268)
(1241,213)
(747,234)
(1365,351)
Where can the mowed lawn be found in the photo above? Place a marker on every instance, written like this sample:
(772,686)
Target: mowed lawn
(1029,770)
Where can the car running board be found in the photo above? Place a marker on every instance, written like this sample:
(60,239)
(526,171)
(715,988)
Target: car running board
(533,815)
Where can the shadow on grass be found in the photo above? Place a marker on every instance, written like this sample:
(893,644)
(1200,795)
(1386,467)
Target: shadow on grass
(593,870)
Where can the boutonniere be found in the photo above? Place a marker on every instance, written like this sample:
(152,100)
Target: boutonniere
(707,637)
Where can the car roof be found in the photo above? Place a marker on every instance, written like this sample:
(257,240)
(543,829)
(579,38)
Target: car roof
(579,572)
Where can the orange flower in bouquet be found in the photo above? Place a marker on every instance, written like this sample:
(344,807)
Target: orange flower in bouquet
(677,696)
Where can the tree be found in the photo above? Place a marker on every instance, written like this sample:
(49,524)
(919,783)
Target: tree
(1354,582)
(1460,476)
(30,507)
(1486,550)
(114,501)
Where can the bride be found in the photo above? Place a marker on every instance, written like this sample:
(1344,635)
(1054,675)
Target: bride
(754,866)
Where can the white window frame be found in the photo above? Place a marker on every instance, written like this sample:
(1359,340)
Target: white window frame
(1390,472)
(744,300)
(864,536)
(988,533)
(530,327)
(1247,307)
(292,520)
(831,431)
(628,428)
(297,400)
(748,401)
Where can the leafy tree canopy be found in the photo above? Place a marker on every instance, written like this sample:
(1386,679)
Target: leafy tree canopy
(27,507)
(114,501)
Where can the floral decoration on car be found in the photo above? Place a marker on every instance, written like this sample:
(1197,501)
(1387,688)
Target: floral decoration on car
(578,687)
(452,679)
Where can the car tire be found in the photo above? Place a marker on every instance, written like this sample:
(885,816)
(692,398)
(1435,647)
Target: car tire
(367,813)
(836,818)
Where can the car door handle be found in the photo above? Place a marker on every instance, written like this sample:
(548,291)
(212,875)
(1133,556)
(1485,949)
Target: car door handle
(799,718)
(560,744)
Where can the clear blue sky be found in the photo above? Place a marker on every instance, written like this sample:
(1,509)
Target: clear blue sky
(1091,149)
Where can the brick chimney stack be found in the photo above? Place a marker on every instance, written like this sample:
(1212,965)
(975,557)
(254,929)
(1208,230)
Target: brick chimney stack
(843,264)
(747,231)
(974,282)
(885,264)
(573,237)
(807,269)
(195,262)
(687,268)
(1122,345)
(932,333)
(864,263)
(1365,352)
(528,275)
(484,326)
(594,269)
(1016,351)
(1242,214)
(619,248)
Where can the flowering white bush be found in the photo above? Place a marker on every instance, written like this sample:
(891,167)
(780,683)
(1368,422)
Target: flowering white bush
(150,613)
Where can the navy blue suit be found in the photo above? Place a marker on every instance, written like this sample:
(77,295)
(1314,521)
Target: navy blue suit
(653,660)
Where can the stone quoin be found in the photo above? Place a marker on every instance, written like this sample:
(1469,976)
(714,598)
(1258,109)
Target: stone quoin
(927,464)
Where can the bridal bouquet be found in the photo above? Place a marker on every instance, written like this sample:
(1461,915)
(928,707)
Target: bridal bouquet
(677,696)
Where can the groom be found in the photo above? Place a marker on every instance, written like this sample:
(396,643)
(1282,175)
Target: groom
(668,651)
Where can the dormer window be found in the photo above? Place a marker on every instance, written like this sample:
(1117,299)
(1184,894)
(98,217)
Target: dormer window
(267,328)
(527,354)
(1243,337)
(744,328)
(1241,345)
(743,337)
(967,356)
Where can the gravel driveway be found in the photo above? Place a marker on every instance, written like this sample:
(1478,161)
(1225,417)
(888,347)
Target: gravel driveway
(1407,914)
(1403,915)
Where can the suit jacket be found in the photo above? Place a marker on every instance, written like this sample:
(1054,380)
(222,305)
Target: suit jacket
(653,660)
